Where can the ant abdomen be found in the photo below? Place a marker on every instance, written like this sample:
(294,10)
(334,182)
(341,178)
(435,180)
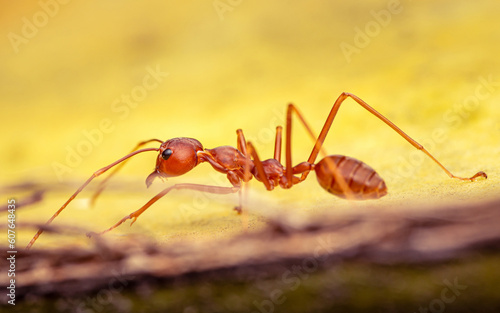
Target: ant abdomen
(362,180)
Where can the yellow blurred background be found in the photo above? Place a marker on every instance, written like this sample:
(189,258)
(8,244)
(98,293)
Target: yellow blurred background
(96,77)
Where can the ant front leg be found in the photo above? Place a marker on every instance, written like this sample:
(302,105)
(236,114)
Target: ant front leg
(268,172)
(242,145)
(203,188)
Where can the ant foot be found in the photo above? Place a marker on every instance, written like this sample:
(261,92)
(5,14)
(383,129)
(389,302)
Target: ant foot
(134,218)
(237,209)
(479,174)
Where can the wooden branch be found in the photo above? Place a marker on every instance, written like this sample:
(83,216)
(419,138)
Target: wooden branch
(412,236)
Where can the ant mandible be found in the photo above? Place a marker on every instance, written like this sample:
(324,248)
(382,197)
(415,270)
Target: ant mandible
(340,175)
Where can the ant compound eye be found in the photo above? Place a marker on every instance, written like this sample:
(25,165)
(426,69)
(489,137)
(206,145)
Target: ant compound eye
(166,154)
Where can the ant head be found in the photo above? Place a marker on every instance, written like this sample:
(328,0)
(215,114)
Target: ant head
(177,156)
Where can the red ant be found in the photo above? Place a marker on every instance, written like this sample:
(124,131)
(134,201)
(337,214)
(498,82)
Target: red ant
(340,175)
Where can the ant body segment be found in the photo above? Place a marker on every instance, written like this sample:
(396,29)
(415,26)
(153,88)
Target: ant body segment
(342,176)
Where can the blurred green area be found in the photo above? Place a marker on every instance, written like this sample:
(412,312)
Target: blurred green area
(429,66)
(468,285)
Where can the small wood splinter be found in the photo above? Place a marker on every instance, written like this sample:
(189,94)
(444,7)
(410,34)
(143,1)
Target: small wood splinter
(340,175)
